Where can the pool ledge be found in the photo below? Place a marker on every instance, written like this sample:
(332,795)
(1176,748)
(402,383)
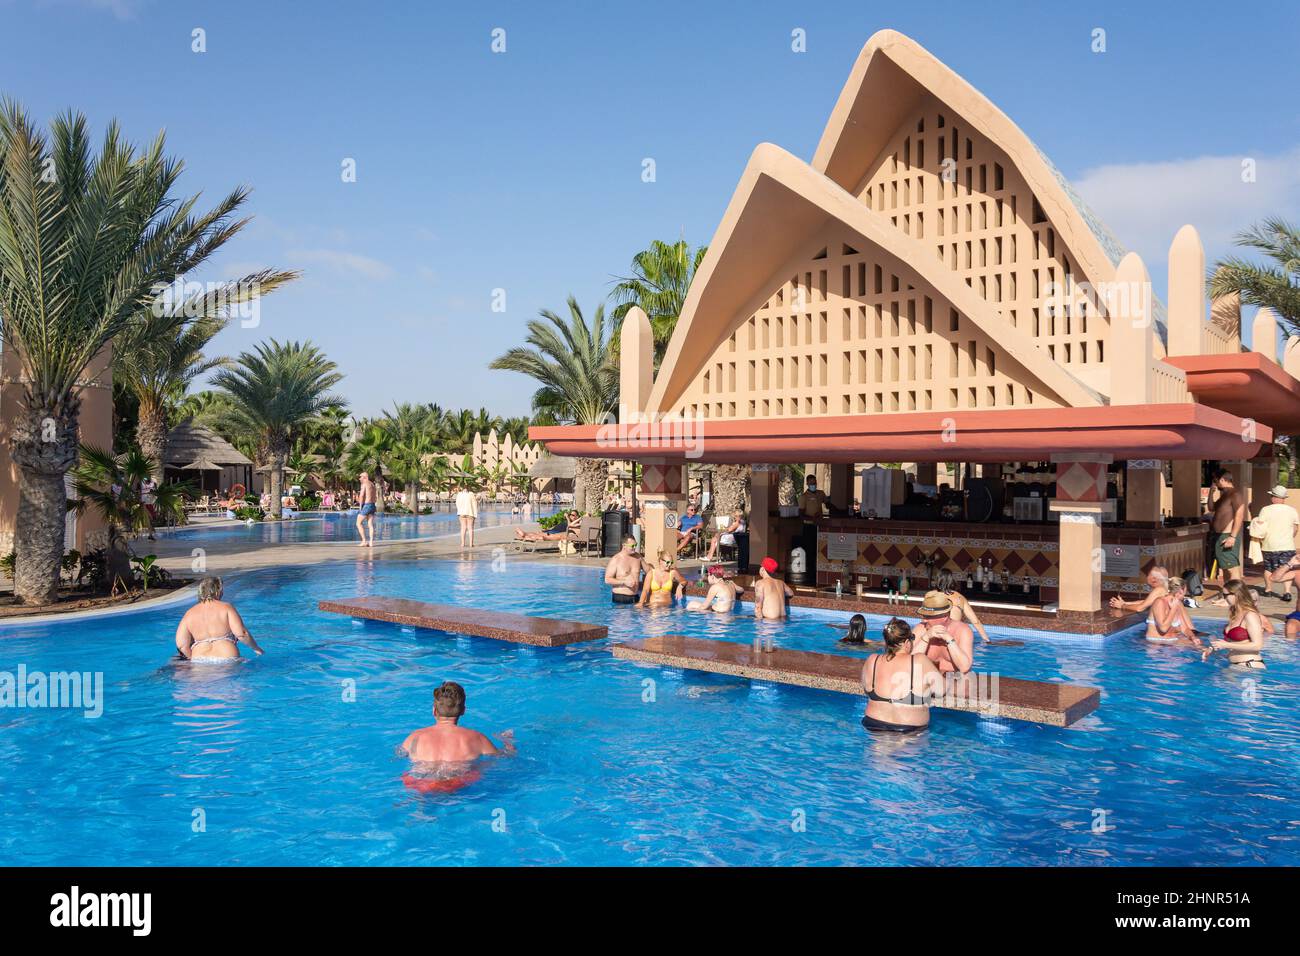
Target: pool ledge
(987,694)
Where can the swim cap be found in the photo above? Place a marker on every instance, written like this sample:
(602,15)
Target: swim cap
(769,565)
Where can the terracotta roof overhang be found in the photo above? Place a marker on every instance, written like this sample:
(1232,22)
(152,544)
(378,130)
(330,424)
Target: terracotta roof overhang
(992,435)
(1247,385)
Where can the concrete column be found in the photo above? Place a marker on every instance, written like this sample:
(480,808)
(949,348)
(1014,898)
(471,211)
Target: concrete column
(1186,294)
(663,502)
(1130,350)
(636,364)
(1241,474)
(1263,334)
(1081,503)
(1144,482)
(841,490)
(1263,476)
(763,489)
(1187,488)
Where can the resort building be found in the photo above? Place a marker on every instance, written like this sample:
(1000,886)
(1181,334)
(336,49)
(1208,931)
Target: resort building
(85,532)
(930,289)
(199,455)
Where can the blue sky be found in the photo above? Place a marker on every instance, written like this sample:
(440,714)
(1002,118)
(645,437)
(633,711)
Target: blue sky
(522,170)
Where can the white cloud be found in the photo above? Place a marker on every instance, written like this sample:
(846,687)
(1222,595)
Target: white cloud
(1144,204)
(347,262)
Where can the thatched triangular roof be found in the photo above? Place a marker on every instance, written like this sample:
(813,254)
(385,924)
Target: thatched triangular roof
(188,442)
(551,466)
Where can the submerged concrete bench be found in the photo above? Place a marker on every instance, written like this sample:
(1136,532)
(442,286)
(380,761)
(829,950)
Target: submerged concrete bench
(1041,702)
(497,625)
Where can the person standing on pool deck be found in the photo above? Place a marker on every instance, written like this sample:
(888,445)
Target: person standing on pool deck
(366,514)
(949,644)
(446,741)
(467,512)
(212,630)
(770,594)
(623,573)
(1226,520)
(1281,522)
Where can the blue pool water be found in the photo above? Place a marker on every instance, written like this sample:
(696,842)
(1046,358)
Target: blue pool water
(619,763)
(315,527)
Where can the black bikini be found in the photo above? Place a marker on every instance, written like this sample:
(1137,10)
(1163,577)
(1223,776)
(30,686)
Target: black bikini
(874,723)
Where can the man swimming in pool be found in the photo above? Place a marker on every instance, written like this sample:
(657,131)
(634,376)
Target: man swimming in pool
(446,741)
(366,516)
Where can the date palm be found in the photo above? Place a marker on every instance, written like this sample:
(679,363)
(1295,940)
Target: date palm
(661,277)
(371,452)
(160,352)
(572,362)
(1274,284)
(86,240)
(275,389)
(114,487)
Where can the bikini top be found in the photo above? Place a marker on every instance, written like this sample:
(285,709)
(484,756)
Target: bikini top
(911,700)
(666,586)
(1236,634)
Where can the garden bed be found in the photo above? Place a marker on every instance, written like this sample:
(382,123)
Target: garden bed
(85,599)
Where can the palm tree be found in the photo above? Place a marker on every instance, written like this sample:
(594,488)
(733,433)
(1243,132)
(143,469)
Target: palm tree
(160,353)
(661,277)
(1275,284)
(275,389)
(572,363)
(86,241)
(113,485)
(373,447)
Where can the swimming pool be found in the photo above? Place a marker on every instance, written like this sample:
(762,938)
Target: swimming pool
(318,526)
(267,763)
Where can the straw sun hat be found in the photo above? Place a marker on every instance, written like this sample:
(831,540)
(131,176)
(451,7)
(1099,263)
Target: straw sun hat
(936,604)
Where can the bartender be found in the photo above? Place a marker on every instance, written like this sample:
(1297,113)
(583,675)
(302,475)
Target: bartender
(811,504)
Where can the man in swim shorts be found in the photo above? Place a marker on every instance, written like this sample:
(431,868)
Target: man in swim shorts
(770,593)
(1226,520)
(366,516)
(623,573)
(446,741)
(950,644)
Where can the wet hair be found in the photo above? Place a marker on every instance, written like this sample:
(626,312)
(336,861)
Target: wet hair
(945,581)
(210,588)
(857,630)
(449,700)
(897,633)
(1242,593)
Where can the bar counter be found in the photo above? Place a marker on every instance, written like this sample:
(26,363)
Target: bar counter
(875,552)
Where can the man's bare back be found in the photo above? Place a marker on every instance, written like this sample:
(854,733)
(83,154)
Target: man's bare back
(769,598)
(448,743)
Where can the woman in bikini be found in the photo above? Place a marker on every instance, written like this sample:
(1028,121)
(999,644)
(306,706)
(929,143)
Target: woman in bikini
(900,683)
(212,630)
(1244,634)
(1169,622)
(659,583)
(722,592)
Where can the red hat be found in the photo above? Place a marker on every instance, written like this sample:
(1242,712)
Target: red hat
(769,565)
